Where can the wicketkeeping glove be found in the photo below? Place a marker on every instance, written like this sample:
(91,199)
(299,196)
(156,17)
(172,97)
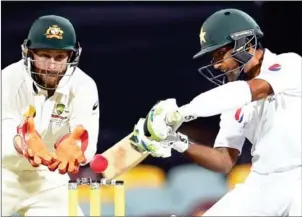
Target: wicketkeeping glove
(69,152)
(29,143)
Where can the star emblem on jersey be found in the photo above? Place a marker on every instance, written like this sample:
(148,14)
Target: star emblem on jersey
(275,67)
(60,108)
(202,36)
(54,31)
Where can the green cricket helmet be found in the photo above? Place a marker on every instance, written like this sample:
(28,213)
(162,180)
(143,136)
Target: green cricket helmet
(228,27)
(51,32)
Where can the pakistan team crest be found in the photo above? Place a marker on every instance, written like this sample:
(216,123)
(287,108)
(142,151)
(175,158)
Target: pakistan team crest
(60,109)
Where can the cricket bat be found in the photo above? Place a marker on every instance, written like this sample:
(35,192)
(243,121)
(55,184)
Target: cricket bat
(122,157)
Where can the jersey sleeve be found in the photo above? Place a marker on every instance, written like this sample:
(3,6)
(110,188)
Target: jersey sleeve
(85,112)
(10,120)
(284,75)
(229,135)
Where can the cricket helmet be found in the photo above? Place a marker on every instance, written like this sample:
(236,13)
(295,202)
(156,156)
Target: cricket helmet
(54,33)
(228,27)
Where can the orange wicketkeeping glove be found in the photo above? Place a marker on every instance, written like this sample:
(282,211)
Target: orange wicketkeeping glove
(29,143)
(70,151)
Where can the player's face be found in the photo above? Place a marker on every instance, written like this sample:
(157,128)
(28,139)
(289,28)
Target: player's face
(223,61)
(50,65)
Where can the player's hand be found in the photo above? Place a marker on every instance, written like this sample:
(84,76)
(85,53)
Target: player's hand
(178,141)
(141,143)
(69,152)
(30,144)
(162,120)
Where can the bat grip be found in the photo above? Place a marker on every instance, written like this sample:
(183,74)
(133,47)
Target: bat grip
(146,131)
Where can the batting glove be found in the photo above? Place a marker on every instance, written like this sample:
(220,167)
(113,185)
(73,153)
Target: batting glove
(164,119)
(143,144)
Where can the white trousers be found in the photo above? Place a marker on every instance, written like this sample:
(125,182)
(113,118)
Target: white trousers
(35,193)
(276,194)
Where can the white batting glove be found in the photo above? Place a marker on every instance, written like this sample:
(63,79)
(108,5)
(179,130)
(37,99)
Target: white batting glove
(141,143)
(157,125)
(164,118)
(178,141)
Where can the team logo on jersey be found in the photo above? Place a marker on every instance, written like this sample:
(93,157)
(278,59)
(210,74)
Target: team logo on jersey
(60,109)
(95,105)
(54,31)
(239,115)
(57,116)
(275,67)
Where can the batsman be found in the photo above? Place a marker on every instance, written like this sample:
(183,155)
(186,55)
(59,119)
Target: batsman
(258,95)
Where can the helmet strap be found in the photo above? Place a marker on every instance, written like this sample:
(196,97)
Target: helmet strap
(24,49)
(75,57)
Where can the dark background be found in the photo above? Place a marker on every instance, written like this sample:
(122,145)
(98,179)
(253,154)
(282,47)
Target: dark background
(140,52)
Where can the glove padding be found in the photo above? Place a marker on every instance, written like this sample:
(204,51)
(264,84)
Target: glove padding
(69,152)
(29,143)
(178,141)
(141,143)
(162,120)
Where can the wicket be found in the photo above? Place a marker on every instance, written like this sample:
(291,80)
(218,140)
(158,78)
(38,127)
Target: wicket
(95,196)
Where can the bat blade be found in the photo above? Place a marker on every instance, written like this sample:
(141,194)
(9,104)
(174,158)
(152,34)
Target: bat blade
(121,158)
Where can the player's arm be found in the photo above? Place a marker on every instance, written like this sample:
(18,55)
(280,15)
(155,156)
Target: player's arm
(224,98)
(18,134)
(234,95)
(227,97)
(259,89)
(224,154)
(221,159)
(10,121)
(85,112)
(10,117)
(285,79)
